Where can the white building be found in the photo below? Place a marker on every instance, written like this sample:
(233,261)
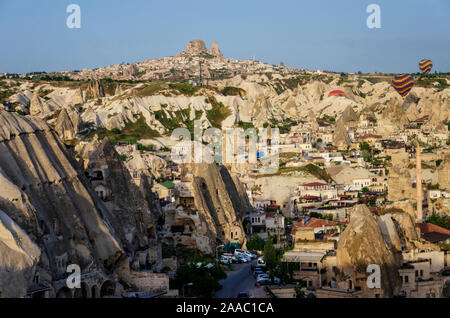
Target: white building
(317,189)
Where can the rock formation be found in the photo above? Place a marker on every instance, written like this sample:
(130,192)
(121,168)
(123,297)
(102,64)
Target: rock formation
(444,173)
(78,98)
(361,244)
(216,203)
(215,51)
(40,108)
(400,179)
(194,48)
(349,115)
(95,90)
(209,210)
(47,196)
(341,140)
(67,124)
(19,258)
(132,219)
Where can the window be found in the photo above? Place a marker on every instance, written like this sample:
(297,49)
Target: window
(100,194)
(406,279)
(36,279)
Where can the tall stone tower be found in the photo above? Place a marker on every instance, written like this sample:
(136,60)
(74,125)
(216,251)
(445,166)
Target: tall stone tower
(419,216)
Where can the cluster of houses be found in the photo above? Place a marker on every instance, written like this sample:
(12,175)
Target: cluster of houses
(315,213)
(423,274)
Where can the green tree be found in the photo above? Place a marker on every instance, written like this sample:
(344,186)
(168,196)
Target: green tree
(299,293)
(439,220)
(256,244)
(364,146)
(270,256)
(203,281)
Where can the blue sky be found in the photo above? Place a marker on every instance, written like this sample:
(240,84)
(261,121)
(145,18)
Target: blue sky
(316,34)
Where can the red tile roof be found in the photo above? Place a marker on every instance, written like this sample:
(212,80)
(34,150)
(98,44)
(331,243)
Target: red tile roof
(310,197)
(315,223)
(430,228)
(370,136)
(435,237)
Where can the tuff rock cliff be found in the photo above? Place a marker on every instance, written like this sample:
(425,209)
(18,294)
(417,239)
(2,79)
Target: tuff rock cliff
(50,215)
(361,244)
(209,210)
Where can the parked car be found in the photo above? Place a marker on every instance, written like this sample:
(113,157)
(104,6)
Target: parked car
(268,281)
(243,295)
(264,275)
(242,258)
(226,260)
(248,258)
(233,258)
(239,252)
(257,268)
(250,254)
(256,273)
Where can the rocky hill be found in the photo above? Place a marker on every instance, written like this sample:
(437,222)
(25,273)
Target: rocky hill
(51,217)
(76,108)
(362,244)
(380,240)
(210,210)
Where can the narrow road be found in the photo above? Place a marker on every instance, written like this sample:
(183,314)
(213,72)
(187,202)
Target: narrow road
(240,279)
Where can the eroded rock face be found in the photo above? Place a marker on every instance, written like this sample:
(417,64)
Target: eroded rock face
(67,124)
(398,229)
(195,47)
(19,258)
(49,198)
(130,215)
(40,108)
(400,179)
(214,201)
(340,137)
(361,244)
(444,173)
(95,90)
(209,209)
(52,217)
(349,115)
(215,50)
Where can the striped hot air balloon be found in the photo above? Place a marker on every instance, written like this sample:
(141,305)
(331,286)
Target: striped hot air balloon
(336,93)
(426,66)
(403,84)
